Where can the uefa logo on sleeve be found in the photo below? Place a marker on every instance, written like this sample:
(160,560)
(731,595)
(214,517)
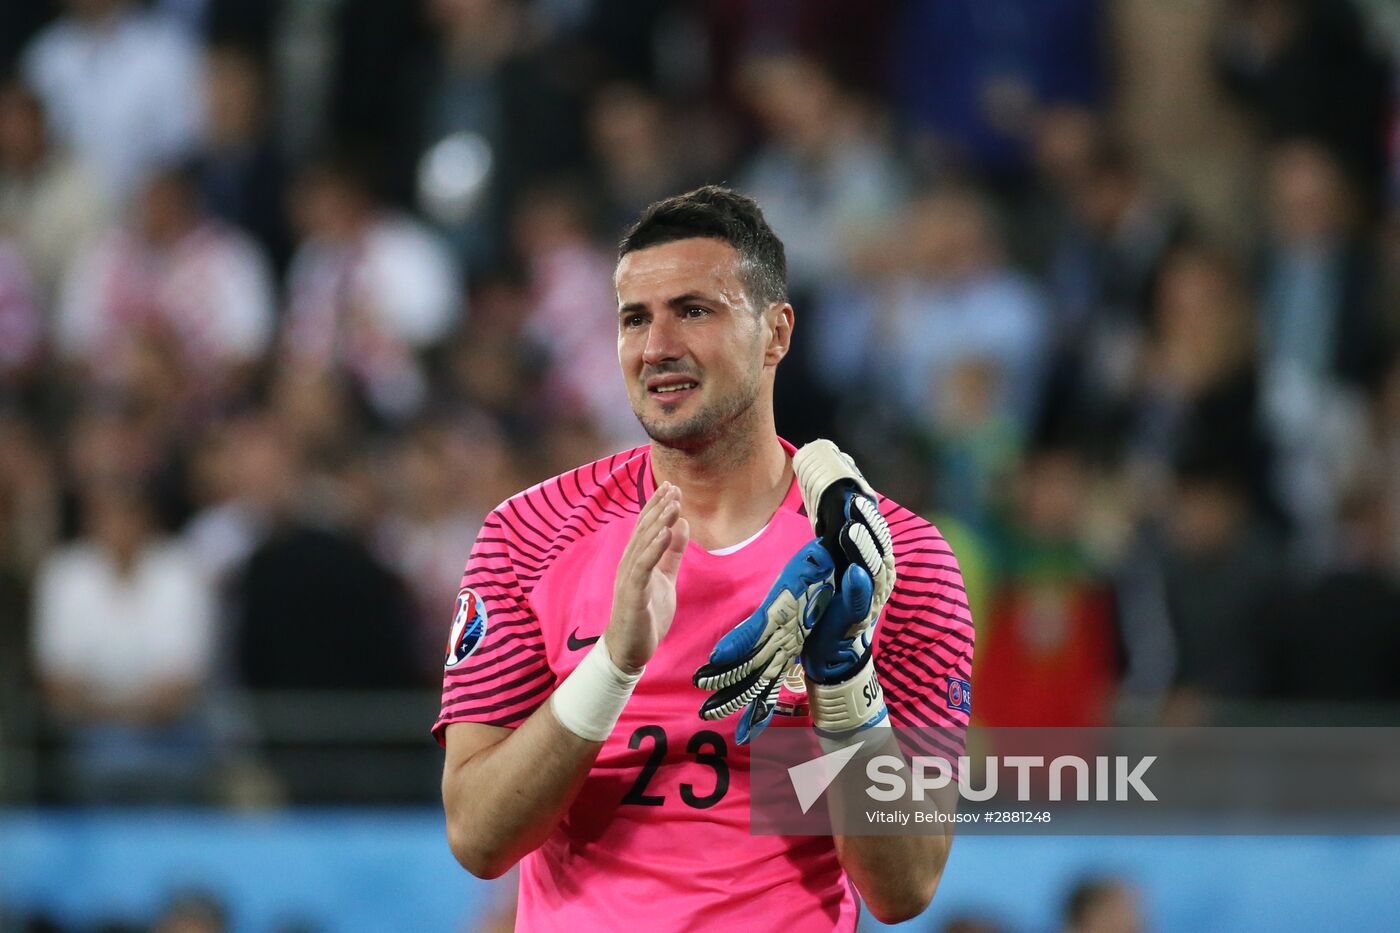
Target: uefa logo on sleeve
(959,694)
(468,628)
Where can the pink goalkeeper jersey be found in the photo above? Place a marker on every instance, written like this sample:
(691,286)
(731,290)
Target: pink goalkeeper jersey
(658,838)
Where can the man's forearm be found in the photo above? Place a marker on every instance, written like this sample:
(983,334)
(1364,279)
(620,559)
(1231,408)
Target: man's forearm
(896,875)
(505,799)
(504,792)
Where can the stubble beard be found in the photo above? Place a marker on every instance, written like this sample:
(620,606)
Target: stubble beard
(707,426)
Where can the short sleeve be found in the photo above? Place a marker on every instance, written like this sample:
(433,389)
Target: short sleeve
(924,643)
(496,671)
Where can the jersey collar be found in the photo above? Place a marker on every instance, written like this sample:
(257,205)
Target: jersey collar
(646,484)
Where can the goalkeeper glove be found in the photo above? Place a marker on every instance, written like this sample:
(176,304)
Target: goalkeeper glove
(844,692)
(746,667)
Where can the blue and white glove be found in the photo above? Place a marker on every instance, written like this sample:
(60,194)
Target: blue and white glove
(746,667)
(843,690)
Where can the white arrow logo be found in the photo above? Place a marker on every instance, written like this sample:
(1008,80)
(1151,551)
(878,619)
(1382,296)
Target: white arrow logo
(811,778)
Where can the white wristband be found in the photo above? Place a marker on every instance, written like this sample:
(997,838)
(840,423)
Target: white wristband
(841,710)
(590,700)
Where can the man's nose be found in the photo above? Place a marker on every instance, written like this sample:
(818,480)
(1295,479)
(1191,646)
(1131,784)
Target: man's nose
(663,341)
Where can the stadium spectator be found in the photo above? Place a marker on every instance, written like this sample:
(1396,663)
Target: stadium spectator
(29,519)
(441,481)
(1052,651)
(857,50)
(974,444)
(571,318)
(18,23)
(1168,105)
(1220,565)
(254,25)
(1356,601)
(1318,336)
(369,290)
(825,169)
(173,278)
(21,327)
(1385,446)
(968,77)
(1318,269)
(1119,229)
(484,72)
(239,164)
(1307,68)
(192,911)
(822,171)
(1064,140)
(1389,254)
(245,482)
(638,152)
(116,437)
(1200,460)
(49,200)
(29,494)
(491,364)
(972,923)
(316,610)
(1198,388)
(1125,226)
(370,85)
(1103,905)
(121,86)
(314,607)
(957,308)
(315,413)
(132,599)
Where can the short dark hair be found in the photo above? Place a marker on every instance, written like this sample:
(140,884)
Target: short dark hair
(718,213)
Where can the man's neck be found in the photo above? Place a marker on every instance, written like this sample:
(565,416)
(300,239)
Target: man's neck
(730,489)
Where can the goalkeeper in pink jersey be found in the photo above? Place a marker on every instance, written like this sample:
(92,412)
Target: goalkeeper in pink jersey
(625,628)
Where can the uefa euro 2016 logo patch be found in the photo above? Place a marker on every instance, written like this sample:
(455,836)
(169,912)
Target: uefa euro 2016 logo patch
(959,694)
(468,628)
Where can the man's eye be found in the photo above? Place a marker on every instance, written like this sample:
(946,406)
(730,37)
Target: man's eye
(633,320)
(696,311)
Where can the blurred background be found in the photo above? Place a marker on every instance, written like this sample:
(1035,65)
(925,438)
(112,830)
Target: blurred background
(293,293)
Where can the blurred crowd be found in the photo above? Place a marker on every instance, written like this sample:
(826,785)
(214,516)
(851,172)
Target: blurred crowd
(293,293)
(1093,904)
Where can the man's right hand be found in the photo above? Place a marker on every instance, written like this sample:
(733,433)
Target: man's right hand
(747,666)
(644,594)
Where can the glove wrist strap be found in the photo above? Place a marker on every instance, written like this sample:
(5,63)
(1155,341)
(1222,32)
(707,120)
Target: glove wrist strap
(590,700)
(819,465)
(849,706)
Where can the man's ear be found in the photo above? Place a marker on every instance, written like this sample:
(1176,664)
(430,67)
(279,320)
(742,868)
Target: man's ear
(779,321)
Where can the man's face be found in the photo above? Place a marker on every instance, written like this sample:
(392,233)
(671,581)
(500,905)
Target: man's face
(694,350)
